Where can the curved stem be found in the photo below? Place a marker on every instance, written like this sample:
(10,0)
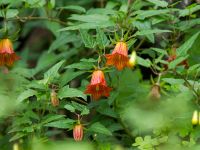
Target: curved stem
(24,19)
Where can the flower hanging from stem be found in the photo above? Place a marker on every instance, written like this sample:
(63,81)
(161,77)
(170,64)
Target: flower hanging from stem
(119,57)
(7,54)
(78,130)
(98,86)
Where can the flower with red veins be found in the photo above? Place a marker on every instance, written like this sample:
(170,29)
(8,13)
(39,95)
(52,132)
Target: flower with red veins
(7,54)
(78,132)
(119,57)
(98,87)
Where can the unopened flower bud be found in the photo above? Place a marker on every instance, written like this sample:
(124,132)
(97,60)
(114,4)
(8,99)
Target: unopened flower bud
(15,146)
(155,92)
(78,132)
(54,98)
(195,118)
(132,60)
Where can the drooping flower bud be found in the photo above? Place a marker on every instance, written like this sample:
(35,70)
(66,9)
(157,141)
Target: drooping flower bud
(98,86)
(155,92)
(15,146)
(119,56)
(7,54)
(54,98)
(78,132)
(132,60)
(195,118)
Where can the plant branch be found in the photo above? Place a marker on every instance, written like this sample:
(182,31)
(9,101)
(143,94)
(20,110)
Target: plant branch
(141,42)
(24,19)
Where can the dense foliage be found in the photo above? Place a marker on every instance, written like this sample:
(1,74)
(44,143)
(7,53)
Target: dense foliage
(104,74)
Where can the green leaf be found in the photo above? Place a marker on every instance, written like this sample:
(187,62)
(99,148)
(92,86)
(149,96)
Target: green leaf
(143,62)
(45,61)
(73,106)
(183,49)
(85,111)
(79,107)
(139,140)
(69,75)
(144,25)
(97,127)
(26,94)
(124,7)
(101,39)
(62,40)
(70,108)
(53,72)
(35,3)
(83,65)
(161,51)
(173,81)
(193,68)
(74,8)
(10,13)
(66,92)
(87,39)
(151,31)
(92,25)
(101,11)
(17,136)
(188,11)
(160,3)
(52,117)
(184,25)
(93,18)
(51,4)
(63,124)
(177,61)
(142,14)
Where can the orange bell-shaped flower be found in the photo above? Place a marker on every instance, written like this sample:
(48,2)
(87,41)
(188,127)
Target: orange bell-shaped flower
(7,54)
(119,57)
(78,132)
(98,86)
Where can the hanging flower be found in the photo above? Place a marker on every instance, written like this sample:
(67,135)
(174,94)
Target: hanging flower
(195,118)
(155,92)
(132,60)
(78,132)
(98,86)
(7,54)
(119,57)
(54,98)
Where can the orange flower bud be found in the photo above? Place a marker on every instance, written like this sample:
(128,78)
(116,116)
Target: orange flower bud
(119,56)
(7,55)
(195,118)
(78,132)
(54,98)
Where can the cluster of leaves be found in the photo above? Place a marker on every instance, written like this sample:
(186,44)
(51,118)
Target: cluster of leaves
(75,37)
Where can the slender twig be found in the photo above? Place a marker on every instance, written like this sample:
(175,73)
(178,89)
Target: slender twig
(189,85)
(141,42)
(24,19)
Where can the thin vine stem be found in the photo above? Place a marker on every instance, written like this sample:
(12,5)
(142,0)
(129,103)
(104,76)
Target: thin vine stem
(24,19)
